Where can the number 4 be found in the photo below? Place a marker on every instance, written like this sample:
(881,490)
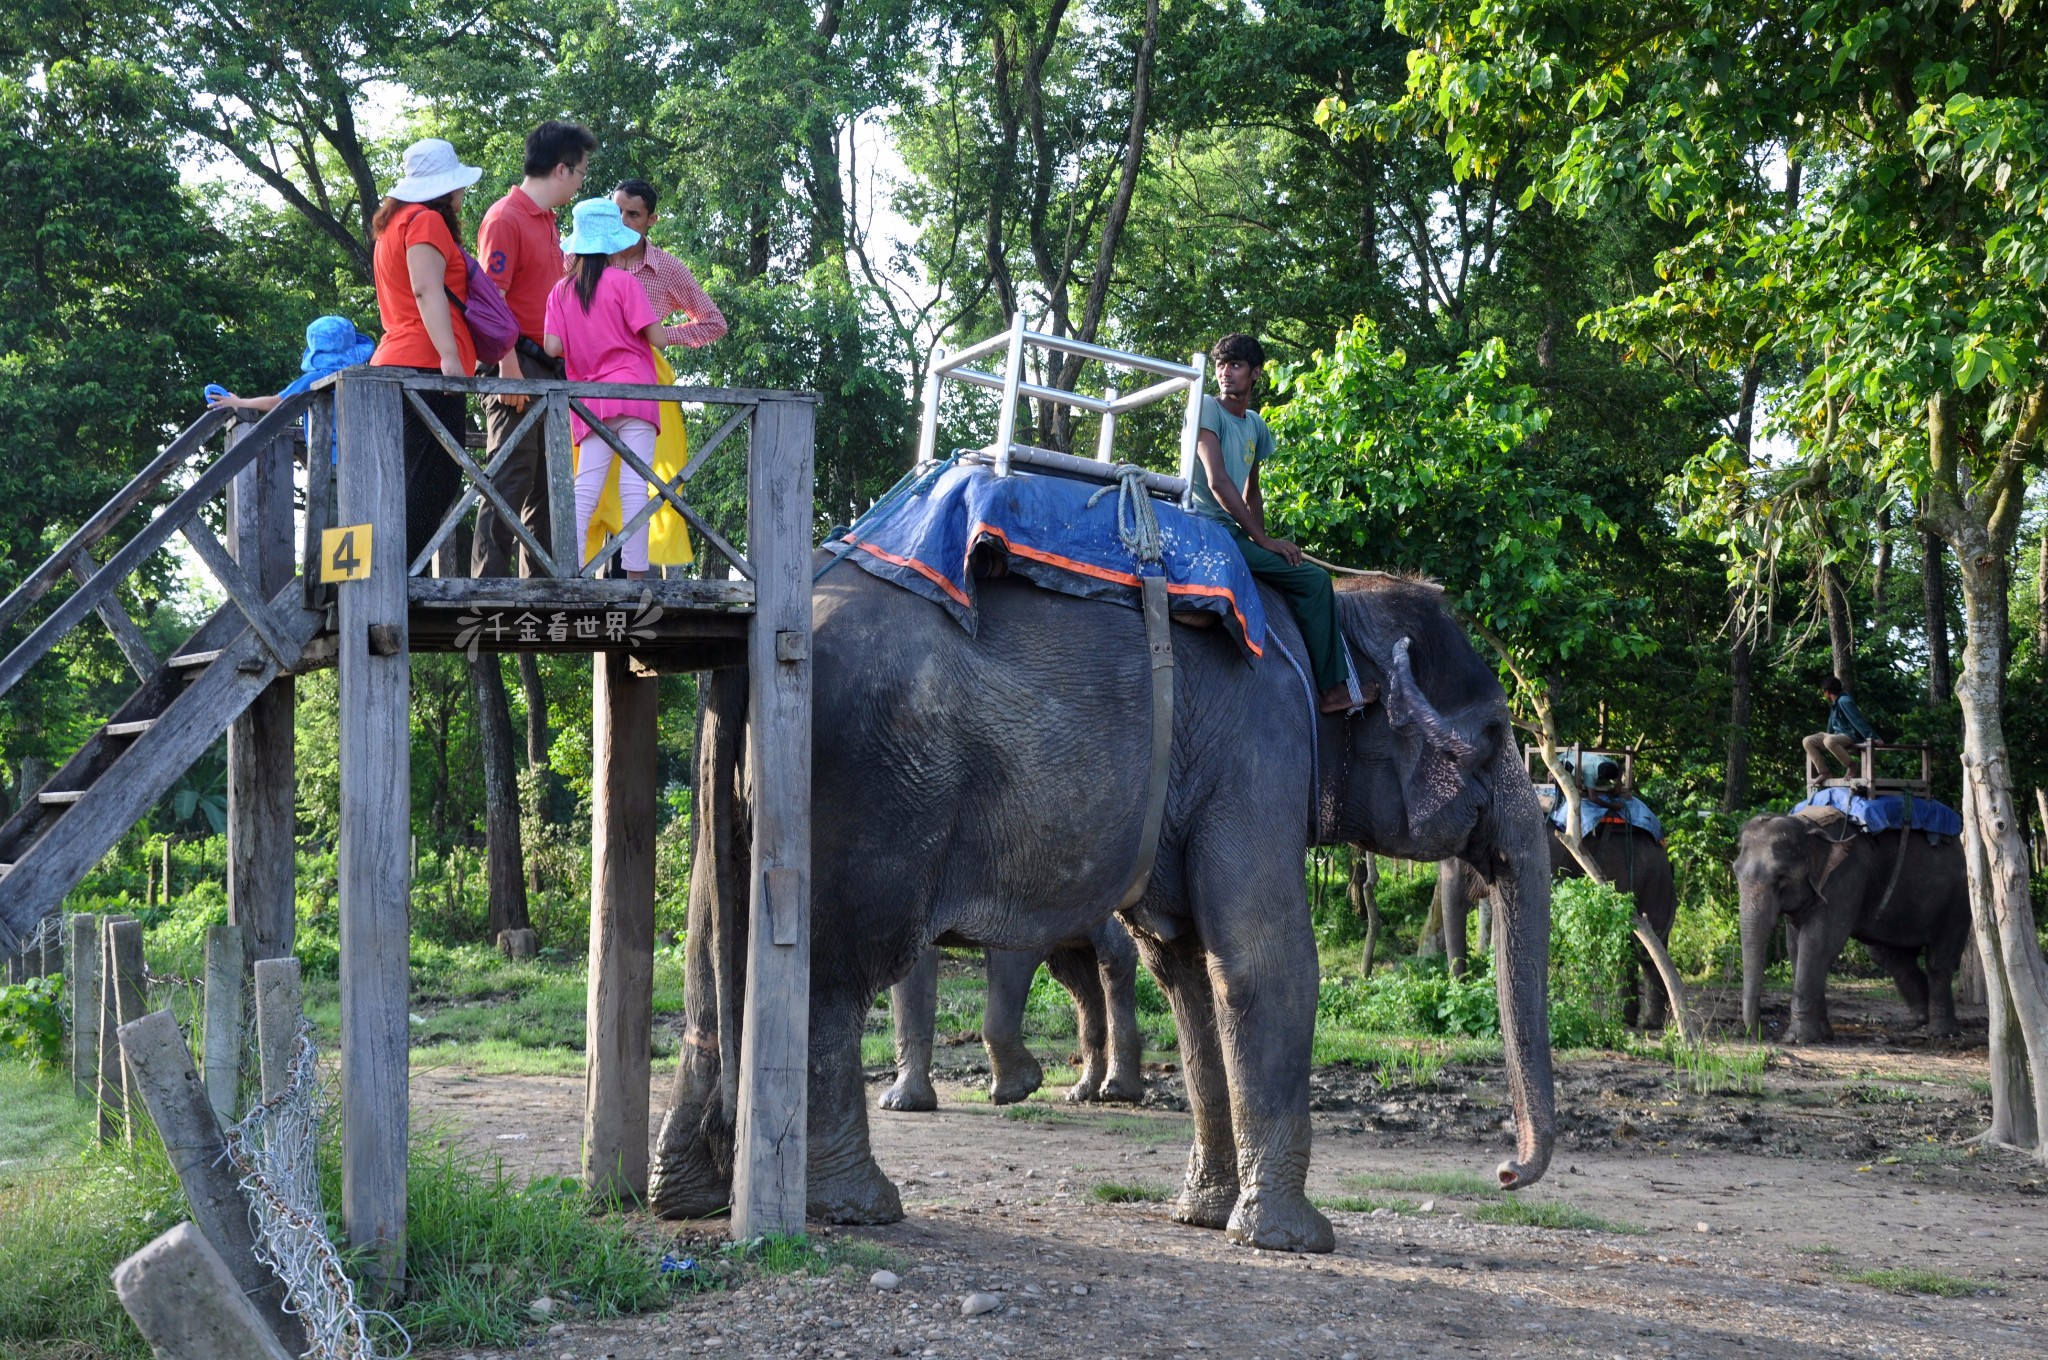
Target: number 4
(345,553)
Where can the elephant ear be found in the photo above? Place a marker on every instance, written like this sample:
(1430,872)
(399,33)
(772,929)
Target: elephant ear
(1838,851)
(1429,754)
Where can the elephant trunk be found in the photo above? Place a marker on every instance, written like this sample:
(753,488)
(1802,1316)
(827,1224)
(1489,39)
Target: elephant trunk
(1759,920)
(1521,945)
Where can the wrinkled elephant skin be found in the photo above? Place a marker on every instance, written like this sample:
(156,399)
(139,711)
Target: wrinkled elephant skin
(989,790)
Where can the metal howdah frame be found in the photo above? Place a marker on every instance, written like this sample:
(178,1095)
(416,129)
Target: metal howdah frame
(1005,452)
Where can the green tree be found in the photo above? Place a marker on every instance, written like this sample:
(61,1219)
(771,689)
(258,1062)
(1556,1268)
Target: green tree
(1906,285)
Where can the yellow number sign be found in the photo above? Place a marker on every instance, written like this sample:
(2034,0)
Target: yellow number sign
(345,553)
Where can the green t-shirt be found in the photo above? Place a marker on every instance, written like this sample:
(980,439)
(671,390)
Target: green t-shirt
(1245,443)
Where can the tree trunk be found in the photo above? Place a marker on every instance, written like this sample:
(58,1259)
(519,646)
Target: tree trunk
(1735,787)
(1934,599)
(1882,564)
(1365,900)
(2041,601)
(2016,978)
(1841,628)
(503,857)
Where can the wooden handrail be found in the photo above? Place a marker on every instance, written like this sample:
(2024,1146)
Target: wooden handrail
(541,387)
(98,524)
(153,535)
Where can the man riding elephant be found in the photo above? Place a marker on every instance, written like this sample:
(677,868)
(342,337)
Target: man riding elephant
(988,789)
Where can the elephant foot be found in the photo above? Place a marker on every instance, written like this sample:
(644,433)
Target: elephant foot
(1015,1081)
(1122,1088)
(910,1095)
(1800,1033)
(1206,1206)
(861,1194)
(1088,1089)
(688,1183)
(1943,1028)
(1276,1220)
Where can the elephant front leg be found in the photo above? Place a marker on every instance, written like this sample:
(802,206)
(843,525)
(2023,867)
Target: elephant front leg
(1814,948)
(1116,963)
(1211,1188)
(1014,1071)
(913,1011)
(844,1184)
(692,1174)
(1267,1008)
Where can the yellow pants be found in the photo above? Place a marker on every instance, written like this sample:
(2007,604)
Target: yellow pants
(668,535)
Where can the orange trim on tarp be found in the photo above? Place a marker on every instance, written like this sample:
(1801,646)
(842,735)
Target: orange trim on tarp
(954,592)
(1122,578)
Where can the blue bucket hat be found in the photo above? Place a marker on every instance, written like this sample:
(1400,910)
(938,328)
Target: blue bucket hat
(333,342)
(598,230)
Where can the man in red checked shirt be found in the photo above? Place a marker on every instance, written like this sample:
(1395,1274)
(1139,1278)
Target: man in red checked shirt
(670,285)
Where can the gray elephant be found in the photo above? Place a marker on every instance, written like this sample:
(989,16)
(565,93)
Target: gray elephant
(1831,882)
(989,790)
(1631,859)
(1099,971)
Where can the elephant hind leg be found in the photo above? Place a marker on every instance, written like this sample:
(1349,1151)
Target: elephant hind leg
(1116,963)
(1210,1191)
(843,1182)
(1903,963)
(914,1012)
(1073,966)
(1944,956)
(1015,1072)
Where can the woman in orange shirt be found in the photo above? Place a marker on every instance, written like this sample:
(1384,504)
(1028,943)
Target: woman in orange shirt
(418,266)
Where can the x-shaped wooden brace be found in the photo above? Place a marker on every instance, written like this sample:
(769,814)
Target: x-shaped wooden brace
(665,489)
(480,483)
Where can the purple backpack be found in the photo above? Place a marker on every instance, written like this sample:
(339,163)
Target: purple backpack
(491,325)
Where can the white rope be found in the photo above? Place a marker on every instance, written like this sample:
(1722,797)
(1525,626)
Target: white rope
(277,1151)
(1136,526)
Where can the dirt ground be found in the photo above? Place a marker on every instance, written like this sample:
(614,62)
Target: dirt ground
(1750,1209)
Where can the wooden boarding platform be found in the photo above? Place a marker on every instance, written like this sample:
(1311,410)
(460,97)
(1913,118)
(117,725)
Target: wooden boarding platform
(1872,784)
(291,609)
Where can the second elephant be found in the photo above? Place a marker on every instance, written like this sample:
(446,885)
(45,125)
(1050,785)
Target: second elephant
(1099,970)
(1633,861)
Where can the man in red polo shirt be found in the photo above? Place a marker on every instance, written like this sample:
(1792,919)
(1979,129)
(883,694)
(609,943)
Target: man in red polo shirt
(520,245)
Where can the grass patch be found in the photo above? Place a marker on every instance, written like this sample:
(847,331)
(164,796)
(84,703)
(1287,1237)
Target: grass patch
(1035,1112)
(1374,1050)
(1363,1204)
(1818,1249)
(877,1050)
(1449,1184)
(1129,1192)
(1914,1282)
(1871,1093)
(797,1254)
(1153,1131)
(1714,1069)
(41,1121)
(1546,1213)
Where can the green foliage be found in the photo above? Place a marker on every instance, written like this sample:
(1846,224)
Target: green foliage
(1130,1192)
(1438,1184)
(1363,1204)
(1418,996)
(1706,934)
(1709,1068)
(1936,1282)
(1591,943)
(32,1021)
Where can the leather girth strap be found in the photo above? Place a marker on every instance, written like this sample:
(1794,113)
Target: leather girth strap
(1159,643)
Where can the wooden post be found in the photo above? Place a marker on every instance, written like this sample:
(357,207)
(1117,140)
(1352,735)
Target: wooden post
(186,1303)
(279,1005)
(162,1067)
(85,1004)
(376,803)
(224,949)
(563,544)
(261,840)
(121,1000)
(769,1166)
(163,880)
(625,723)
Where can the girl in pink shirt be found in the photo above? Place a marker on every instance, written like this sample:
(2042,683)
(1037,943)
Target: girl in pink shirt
(601,327)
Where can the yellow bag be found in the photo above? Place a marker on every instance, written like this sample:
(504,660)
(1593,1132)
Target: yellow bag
(668,534)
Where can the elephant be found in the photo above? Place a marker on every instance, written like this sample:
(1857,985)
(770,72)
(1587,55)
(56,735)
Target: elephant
(1099,970)
(1831,882)
(1633,861)
(989,789)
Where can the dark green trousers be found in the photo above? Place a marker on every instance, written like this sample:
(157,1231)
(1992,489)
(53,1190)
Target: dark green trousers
(1314,601)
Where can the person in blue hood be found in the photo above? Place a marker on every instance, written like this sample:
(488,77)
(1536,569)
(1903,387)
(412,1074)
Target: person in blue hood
(332,344)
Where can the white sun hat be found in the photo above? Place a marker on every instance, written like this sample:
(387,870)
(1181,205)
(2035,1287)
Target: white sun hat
(432,169)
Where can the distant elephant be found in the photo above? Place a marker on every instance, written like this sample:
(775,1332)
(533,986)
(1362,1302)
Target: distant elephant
(1633,861)
(1099,970)
(1828,881)
(989,790)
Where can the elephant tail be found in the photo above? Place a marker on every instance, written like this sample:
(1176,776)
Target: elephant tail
(692,1175)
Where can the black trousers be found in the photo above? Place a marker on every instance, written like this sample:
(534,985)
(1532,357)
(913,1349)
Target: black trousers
(522,481)
(432,479)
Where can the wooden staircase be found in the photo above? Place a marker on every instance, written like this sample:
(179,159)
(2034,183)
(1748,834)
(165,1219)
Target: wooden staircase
(184,704)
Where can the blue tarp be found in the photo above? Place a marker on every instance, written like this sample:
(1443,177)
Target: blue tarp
(923,541)
(1633,811)
(1887,813)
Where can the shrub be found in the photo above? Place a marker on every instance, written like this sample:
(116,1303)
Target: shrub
(1591,944)
(32,1021)
(1418,996)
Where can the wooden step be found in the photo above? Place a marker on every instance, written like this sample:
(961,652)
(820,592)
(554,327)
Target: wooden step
(130,729)
(193,659)
(60,798)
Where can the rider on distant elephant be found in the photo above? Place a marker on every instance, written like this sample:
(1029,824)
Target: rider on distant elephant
(1846,727)
(1233,442)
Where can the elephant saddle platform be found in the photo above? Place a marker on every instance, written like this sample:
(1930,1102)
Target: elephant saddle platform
(930,536)
(1888,813)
